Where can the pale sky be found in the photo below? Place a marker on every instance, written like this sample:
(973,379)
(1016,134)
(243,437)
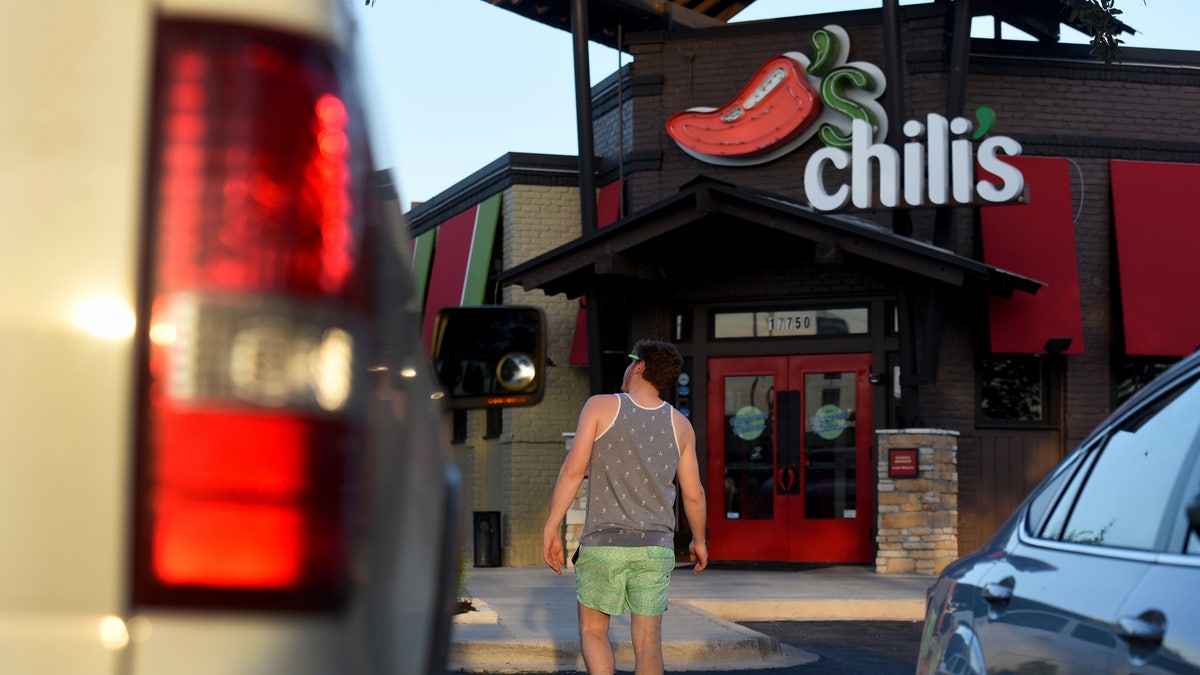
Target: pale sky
(454,84)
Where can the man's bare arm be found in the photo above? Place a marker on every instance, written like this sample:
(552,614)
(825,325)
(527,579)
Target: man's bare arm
(570,476)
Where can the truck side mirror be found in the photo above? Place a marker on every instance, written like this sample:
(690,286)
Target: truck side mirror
(491,356)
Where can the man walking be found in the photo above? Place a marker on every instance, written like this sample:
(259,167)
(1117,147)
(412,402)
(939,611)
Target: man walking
(636,445)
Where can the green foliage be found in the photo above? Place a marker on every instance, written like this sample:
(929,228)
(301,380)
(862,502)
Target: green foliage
(1098,18)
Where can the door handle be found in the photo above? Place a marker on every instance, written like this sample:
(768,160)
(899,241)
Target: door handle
(787,474)
(1147,629)
(1000,593)
(786,479)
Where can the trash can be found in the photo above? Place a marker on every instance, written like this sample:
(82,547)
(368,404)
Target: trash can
(487,538)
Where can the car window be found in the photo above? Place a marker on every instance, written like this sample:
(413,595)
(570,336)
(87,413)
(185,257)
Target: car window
(1049,493)
(1133,490)
(1064,499)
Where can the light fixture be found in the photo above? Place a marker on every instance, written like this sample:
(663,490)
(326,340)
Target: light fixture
(1057,345)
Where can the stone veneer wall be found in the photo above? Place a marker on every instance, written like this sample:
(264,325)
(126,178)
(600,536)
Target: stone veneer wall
(918,517)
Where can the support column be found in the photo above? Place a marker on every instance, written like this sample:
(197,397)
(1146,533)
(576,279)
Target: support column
(917,516)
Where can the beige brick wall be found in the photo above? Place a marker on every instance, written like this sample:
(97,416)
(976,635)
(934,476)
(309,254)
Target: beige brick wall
(515,473)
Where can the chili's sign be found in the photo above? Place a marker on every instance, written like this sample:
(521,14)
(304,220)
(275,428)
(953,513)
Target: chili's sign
(792,98)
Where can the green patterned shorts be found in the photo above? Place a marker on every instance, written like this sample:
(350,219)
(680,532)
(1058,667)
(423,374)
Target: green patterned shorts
(613,579)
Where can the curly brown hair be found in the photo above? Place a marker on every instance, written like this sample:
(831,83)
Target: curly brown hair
(663,362)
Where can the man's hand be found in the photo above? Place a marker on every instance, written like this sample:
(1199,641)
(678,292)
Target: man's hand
(552,551)
(698,553)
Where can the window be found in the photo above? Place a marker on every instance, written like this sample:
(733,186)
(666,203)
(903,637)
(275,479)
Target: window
(785,323)
(892,324)
(458,426)
(1013,388)
(1136,372)
(1048,494)
(1062,499)
(681,325)
(1133,492)
(495,422)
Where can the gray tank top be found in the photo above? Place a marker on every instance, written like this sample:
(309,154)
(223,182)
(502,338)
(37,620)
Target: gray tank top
(631,488)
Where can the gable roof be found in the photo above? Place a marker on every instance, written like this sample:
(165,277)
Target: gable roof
(710,225)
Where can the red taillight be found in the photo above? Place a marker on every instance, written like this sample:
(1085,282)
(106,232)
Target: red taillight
(254,183)
(249,389)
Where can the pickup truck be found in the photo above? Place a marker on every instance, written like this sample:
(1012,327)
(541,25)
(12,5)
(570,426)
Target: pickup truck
(222,444)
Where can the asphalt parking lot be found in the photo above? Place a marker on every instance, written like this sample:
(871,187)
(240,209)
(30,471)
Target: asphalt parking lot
(849,647)
(844,648)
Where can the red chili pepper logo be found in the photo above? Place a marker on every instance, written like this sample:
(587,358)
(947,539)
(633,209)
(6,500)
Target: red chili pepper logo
(790,99)
(776,106)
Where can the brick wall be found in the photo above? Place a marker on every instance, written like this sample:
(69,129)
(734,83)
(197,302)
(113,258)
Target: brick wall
(515,473)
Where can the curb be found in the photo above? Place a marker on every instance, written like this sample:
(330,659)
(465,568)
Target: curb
(481,614)
(744,649)
(814,610)
(752,652)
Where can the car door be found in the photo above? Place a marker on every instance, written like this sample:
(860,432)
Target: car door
(1159,622)
(1049,607)
(1041,613)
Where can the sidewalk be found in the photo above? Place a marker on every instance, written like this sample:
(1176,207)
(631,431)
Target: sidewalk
(527,621)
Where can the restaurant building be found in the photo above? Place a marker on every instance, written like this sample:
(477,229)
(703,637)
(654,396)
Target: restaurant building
(907,269)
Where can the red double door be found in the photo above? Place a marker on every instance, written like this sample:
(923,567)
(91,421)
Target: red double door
(790,476)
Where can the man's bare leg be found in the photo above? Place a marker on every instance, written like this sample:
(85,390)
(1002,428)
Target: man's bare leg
(646,634)
(594,642)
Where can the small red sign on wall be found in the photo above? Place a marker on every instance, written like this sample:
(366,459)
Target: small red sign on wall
(902,462)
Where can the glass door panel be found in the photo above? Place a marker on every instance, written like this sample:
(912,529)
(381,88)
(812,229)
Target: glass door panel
(830,461)
(832,521)
(746,519)
(749,447)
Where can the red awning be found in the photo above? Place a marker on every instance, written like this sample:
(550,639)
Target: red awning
(1035,239)
(1157,234)
(461,258)
(608,203)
